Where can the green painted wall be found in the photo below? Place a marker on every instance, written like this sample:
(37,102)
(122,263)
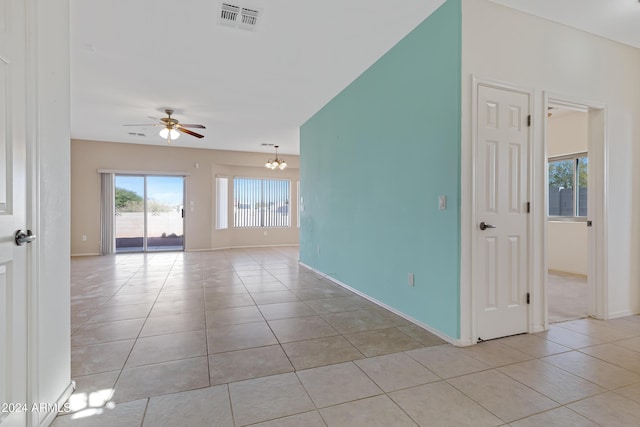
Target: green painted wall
(374,161)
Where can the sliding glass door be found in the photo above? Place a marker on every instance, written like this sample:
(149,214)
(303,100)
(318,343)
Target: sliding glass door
(165,204)
(149,213)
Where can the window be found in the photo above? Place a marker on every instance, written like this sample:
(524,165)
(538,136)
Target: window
(261,202)
(568,186)
(222,197)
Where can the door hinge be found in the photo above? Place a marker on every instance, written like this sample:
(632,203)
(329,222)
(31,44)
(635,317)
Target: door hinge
(528,298)
(528,207)
(529,120)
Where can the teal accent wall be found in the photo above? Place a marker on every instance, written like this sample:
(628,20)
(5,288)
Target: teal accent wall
(374,161)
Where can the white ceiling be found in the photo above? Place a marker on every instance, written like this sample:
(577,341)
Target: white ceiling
(133,59)
(617,20)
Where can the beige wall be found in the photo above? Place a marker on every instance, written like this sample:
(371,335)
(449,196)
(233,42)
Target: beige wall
(567,248)
(200,234)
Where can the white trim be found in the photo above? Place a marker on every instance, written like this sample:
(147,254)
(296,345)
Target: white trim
(88,254)
(32,212)
(143,172)
(383,305)
(567,105)
(468,210)
(622,313)
(48,419)
(282,245)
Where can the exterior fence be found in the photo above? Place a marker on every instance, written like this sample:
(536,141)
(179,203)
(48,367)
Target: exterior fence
(561,201)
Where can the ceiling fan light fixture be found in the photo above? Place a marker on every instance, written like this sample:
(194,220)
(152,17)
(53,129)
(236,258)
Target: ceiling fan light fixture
(172,128)
(172,133)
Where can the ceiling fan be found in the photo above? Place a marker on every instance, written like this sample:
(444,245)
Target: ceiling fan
(171,127)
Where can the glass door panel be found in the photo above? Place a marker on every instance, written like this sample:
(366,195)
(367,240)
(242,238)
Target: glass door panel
(129,210)
(165,203)
(149,213)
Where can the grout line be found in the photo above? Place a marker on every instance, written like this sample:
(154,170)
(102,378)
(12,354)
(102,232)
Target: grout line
(263,260)
(144,414)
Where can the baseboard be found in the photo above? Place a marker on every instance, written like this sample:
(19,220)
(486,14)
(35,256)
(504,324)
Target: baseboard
(538,328)
(622,313)
(284,245)
(385,306)
(48,419)
(463,343)
(243,247)
(264,246)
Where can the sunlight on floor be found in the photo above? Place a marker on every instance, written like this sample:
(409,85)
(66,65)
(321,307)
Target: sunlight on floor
(84,405)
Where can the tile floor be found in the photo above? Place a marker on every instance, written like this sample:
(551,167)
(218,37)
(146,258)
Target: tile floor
(567,295)
(247,337)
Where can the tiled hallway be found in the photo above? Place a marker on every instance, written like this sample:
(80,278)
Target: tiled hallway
(241,337)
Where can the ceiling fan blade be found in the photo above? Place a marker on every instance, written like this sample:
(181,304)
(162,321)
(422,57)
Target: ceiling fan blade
(188,132)
(193,126)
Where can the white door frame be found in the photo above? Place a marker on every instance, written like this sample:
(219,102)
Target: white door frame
(33,213)
(597,202)
(38,121)
(468,214)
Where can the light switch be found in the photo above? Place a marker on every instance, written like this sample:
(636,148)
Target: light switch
(442,203)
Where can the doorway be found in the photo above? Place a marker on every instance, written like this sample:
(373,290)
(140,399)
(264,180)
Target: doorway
(149,213)
(575,225)
(567,211)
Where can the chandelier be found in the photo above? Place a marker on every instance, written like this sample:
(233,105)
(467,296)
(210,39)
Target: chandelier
(277,163)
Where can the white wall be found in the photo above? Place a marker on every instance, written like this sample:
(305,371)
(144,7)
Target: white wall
(505,45)
(567,248)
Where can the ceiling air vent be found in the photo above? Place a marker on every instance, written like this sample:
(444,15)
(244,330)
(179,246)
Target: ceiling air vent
(229,14)
(237,16)
(249,19)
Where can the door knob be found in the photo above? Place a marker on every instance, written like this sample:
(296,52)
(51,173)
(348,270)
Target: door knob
(23,237)
(484,226)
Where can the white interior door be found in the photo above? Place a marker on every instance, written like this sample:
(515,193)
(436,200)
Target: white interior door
(13,264)
(502,176)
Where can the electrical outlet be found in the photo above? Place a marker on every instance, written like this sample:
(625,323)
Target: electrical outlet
(84,237)
(412,278)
